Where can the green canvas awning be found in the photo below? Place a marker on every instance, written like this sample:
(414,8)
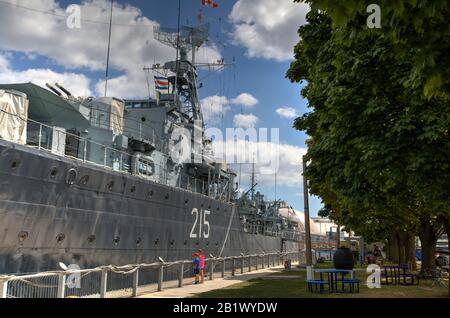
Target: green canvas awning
(48,108)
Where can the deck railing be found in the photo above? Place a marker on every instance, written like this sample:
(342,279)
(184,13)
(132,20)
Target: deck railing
(130,280)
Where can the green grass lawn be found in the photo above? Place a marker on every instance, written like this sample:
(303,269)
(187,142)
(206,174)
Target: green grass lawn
(295,288)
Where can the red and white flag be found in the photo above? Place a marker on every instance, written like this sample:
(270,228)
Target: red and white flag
(210,3)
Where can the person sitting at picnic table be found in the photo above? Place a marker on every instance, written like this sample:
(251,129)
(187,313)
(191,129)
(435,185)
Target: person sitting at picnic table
(196,265)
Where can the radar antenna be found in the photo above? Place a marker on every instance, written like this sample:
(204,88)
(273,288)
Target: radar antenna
(187,39)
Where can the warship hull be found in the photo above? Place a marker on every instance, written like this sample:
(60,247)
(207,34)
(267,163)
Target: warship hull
(55,209)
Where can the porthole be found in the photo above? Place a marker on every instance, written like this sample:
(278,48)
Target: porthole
(84,181)
(133,189)
(185,242)
(60,238)
(217,243)
(71,176)
(53,173)
(197,243)
(186,201)
(207,243)
(23,235)
(143,119)
(15,164)
(150,193)
(91,239)
(138,241)
(156,241)
(116,240)
(172,242)
(167,196)
(110,186)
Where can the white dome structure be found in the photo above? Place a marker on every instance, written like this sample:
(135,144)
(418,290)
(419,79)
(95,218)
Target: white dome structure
(299,217)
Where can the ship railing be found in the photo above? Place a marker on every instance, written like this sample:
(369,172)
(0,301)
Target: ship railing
(133,280)
(44,137)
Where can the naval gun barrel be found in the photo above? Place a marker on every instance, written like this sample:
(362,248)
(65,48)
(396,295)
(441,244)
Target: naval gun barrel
(63,89)
(54,90)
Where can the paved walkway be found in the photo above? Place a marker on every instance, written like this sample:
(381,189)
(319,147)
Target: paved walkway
(189,289)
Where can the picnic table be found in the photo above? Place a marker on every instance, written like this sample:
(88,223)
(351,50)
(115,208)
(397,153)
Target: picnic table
(333,279)
(399,275)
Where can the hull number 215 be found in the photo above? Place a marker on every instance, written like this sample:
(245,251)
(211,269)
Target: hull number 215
(201,228)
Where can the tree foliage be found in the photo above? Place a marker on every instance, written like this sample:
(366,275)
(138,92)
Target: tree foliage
(418,26)
(379,146)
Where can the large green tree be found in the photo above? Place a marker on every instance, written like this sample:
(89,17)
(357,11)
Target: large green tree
(379,145)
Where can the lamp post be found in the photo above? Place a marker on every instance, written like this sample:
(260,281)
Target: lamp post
(309,269)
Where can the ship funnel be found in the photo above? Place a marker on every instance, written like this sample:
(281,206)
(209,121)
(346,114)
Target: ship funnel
(54,90)
(64,90)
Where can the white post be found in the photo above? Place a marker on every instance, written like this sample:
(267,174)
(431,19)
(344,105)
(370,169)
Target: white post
(211,269)
(106,153)
(40,137)
(103,283)
(181,275)
(233,266)
(61,286)
(3,289)
(135,282)
(249,264)
(160,277)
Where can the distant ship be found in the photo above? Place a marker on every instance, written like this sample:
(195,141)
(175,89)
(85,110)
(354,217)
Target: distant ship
(90,181)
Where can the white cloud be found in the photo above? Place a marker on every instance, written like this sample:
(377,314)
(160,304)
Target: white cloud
(268,28)
(245,121)
(132,42)
(78,84)
(270,157)
(246,100)
(216,107)
(287,112)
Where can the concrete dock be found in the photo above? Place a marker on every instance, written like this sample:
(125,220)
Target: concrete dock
(171,289)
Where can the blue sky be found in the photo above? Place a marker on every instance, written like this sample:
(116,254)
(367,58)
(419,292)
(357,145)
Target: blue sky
(258,35)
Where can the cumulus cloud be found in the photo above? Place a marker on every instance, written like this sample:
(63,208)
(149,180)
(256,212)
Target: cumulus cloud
(216,107)
(245,121)
(268,28)
(132,44)
(78,84)
(270,156)
(246,100)
(287,112)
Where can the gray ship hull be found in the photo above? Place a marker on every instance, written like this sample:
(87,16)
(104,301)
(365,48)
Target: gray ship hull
(54,209)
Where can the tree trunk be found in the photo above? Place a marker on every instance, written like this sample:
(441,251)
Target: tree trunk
(401,248)
(388,250)
(411,249)
(445,221)
(428,241)
(394,249)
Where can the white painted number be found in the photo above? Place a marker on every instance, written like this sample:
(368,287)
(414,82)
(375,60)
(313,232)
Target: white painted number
(194,235)
(206,223)
(203,224)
